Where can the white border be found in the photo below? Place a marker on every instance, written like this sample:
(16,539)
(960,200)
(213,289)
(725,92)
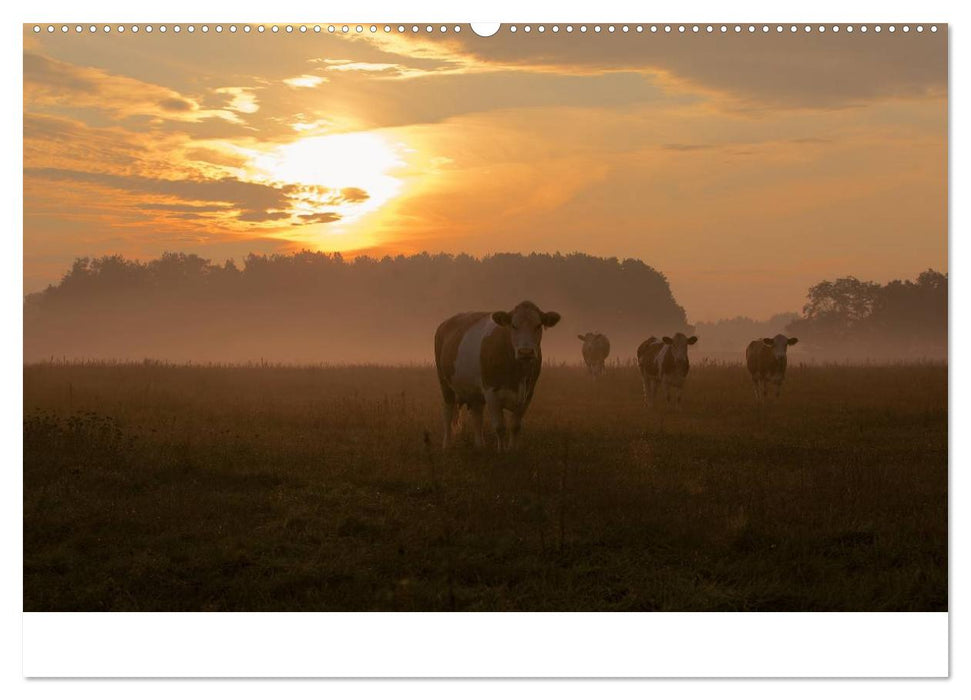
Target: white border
(165,636)
(476,645)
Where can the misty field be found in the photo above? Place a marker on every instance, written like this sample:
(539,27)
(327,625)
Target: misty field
(162,487)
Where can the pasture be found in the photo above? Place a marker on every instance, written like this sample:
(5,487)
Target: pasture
(166,488)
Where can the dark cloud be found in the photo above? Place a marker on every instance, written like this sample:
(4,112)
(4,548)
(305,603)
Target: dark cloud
(176,104)
(256,202)
(198,208)
(320,217)
(782,69)
(333,197)
(260,216)
(353,195)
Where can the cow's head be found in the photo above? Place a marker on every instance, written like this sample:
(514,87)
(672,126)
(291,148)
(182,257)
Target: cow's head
(526,323)
(779,345)
(587,336)
(678,347)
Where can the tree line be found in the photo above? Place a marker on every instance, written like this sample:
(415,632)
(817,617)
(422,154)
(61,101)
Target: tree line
(318,307)
(900,319)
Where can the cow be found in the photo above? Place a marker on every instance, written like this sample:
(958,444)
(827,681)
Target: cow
(491,360)
(766,360)
(664,363)
(595,350)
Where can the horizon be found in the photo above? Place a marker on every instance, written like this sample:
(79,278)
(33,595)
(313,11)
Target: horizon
(729,163)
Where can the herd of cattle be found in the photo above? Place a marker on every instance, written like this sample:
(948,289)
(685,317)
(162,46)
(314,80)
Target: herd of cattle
(491,361)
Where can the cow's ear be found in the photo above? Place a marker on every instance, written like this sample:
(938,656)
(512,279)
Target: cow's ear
(667,340)
(502,318)
(583,338)
(550,318)
(793,341)
(692,340)
(768,342)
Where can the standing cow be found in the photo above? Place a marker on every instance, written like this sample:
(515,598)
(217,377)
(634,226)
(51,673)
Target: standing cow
(491,360)
(766,360)
(664,363)
(595,350)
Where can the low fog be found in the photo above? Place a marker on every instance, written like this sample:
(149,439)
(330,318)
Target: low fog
(318,308)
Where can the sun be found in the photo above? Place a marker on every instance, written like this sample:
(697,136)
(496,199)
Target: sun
(348,175)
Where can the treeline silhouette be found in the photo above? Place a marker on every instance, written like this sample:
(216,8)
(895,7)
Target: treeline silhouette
(852,318)
(319,307)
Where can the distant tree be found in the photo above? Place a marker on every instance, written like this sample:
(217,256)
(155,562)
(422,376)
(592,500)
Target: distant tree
(901,318)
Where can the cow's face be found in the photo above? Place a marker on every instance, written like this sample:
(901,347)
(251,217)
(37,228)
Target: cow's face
(779,345)
(526,323)
(678,347)
(587,336)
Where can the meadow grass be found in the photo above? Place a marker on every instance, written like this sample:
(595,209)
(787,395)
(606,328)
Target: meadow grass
(164,487)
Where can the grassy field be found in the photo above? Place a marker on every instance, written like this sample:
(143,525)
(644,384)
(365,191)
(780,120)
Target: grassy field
(154,487)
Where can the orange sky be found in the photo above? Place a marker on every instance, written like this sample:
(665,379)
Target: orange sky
(746,168)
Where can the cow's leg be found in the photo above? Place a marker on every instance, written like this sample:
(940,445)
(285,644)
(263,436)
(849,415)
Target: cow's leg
(476,409)
(650,389)
(515,425)
(494,406)
(755,387)
(778,389)
(449,412)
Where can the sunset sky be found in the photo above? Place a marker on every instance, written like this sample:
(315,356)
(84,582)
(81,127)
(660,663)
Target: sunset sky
(744,167)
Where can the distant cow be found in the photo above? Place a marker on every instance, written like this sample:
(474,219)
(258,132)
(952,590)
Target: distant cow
(664,363)
(491,360)
(596,348)
(766,360)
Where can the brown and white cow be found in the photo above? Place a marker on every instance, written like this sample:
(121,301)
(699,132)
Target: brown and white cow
(664,363)
(491,360)
(766,360)
(596,348)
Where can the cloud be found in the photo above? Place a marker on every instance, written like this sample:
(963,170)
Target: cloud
(316,125)
(193,208)
(262,216)
(318,195)
(305,81)
(817,70)
(242,100)
(50,82)
(320,217)
(353,195)
(385,70)
(256,202)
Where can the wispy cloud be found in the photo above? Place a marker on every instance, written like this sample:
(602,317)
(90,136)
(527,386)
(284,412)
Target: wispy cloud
(255,202)
(55,83)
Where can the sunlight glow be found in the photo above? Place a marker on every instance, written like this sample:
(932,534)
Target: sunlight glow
(333,173)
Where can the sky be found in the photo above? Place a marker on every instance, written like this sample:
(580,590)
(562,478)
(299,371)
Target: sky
(744,167)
